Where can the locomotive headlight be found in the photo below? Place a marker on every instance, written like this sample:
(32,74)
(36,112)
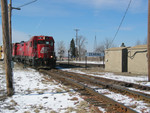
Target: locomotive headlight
(51,56)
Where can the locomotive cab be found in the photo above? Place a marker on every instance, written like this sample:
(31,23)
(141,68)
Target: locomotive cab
(44,48)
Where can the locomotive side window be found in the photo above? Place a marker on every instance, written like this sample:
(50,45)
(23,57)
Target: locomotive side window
(46,38)
(40,38)
(35,44)
(51,43)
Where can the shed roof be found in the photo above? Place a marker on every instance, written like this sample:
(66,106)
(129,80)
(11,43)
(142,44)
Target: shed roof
(116,48)
(139,47)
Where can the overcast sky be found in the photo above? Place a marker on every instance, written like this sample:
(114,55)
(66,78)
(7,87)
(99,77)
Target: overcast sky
(59,18)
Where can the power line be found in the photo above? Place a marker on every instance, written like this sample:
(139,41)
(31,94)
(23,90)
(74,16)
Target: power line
(27,3)
(121,21)
(24,4)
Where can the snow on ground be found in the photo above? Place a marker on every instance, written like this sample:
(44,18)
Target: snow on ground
(142,80)
(35,92)
(83,62)
(139,106)
(136,105)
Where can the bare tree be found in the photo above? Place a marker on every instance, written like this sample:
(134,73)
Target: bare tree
(81,46)
(61,49)
(100,49)
(145,41)
(107,43)
(138,42)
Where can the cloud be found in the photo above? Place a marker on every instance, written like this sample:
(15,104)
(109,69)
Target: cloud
(111,4)
(50,8)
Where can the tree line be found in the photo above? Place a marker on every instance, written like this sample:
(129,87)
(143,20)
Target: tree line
(77,48)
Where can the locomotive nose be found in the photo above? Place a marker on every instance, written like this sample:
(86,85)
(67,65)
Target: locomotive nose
(44,51)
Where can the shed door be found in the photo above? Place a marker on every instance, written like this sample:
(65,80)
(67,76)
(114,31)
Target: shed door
(124,60)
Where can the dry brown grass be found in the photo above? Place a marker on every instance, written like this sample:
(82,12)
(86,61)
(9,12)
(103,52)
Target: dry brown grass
(36,110)
(14,103)
(27,112)
(58,90)
(53,112)
(74,99)
(70,109)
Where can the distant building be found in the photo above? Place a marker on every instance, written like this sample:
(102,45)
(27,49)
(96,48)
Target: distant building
(127,59)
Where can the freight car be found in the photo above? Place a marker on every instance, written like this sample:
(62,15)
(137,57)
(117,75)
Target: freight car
(38,52)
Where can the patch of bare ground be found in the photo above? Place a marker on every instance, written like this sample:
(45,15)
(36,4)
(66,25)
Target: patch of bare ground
(83,107)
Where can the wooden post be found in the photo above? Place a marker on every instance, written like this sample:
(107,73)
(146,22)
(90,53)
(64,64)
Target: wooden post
(6,45)
(68,58)
(85,62)
(86,59)
(10,31)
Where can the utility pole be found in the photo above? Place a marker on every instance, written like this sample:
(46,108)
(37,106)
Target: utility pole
(76,36)
(6,45)
(95,44)
(9,14)
(148,43)
(77,42)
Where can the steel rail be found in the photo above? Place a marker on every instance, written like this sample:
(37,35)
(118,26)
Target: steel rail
(110,102)
(79,64)
(135,94)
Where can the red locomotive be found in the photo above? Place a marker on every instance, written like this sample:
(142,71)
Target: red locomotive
(38,51)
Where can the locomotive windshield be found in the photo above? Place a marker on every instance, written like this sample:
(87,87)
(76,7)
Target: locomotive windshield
(41,41)
(45,42)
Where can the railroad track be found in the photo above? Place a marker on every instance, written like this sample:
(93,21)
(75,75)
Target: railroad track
(118,86)
(72,64)
(82,83)
(95,98)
